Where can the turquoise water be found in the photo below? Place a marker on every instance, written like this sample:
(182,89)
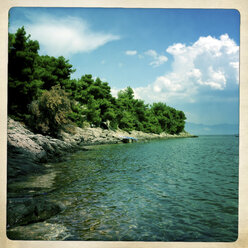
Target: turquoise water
(164,190)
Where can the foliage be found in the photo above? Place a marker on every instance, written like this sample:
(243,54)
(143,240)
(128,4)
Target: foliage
(170,120)
(53,71)
(29,73)
(23,87)
(44,84)
(95,100)
(49,111)
(78,114)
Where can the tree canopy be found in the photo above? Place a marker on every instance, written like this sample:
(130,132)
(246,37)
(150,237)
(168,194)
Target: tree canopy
(42,94)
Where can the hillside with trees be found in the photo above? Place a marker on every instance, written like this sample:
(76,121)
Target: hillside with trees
(42,94)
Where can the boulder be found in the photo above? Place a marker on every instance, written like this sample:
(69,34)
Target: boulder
(39,231)
(26,150)
(25,211)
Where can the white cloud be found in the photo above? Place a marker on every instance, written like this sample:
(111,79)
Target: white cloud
(208,65)
(151,53)
(66,36)
(176,49)
(114,92)
(157,59)
(131,52)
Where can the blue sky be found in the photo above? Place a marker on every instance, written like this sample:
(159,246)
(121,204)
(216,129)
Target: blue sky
(188,59)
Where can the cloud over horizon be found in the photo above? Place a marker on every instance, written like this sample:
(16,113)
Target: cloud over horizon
(208,65)
(66,36)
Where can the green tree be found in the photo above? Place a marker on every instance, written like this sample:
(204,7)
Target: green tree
(179,118)
(152,124)
(132,113)
(126,121)
(141,114)
(29,73)
(23,87)
(56,99)
(96,98)
(78,113)
(53,71)
(93,112)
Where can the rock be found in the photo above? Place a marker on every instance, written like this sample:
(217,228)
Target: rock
(26,153)
(21,144)
(26,149)
(25,211)
(22,165)
(39,231)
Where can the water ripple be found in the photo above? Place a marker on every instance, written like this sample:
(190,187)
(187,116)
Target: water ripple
(166,190)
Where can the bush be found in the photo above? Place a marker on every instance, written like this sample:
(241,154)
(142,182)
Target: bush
(49,112)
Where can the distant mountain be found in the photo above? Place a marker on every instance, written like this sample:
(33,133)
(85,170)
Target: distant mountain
(201,129)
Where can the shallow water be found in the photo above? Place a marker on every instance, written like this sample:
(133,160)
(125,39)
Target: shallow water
(163,190)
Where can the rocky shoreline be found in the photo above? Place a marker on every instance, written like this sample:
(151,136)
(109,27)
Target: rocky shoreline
(28,153)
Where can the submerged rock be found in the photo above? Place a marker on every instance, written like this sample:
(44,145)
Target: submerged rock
(26,154)
(25,211)
(39,231)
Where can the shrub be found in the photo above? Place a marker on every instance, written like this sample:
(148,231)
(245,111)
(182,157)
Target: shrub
(49,112)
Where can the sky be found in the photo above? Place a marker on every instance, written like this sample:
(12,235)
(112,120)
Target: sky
(186,58)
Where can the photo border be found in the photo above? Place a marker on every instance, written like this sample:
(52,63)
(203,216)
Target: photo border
(241,6)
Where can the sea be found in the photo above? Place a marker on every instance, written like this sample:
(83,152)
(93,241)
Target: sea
(183,189)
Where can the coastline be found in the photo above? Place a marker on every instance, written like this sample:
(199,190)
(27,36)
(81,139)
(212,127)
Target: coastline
(30,150)
(28,156)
